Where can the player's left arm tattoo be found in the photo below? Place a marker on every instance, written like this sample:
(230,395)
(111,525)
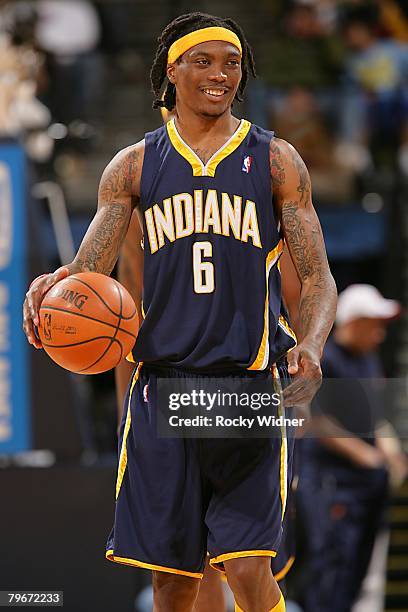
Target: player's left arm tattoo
(317,307)
(305,242)
(276,163)
(304,238)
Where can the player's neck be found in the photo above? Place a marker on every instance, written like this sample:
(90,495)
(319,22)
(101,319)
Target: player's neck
(195,128)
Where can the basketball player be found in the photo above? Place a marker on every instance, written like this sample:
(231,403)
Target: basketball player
(211,596)
(203,185)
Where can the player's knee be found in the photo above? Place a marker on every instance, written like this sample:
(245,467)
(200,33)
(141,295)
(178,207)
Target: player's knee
(248,571)
(174,588)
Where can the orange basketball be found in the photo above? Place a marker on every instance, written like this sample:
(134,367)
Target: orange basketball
(88,323)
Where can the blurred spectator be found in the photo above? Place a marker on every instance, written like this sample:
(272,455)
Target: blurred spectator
(394,19)
(68,31)
(21,113)
(298,118)
(375,109)
(343,484)
(67,28)
(301,54)
(326,11)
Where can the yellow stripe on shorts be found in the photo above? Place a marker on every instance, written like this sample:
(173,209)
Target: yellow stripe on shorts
(123,450)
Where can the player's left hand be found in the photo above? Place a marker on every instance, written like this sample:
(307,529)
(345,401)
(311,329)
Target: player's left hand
(304,368)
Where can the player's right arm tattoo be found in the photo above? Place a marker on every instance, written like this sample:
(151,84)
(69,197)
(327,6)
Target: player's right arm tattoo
(304,238)
(122,176)
(118,194)
(100,247)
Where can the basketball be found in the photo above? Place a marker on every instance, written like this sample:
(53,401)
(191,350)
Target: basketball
(88,323)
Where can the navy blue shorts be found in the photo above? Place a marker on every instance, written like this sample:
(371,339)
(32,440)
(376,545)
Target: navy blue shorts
(178,498)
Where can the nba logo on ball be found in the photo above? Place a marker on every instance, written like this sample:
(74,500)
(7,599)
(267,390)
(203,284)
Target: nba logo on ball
(246,164)
(47,326)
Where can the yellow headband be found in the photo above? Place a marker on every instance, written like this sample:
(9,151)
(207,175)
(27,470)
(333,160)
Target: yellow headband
(184,43)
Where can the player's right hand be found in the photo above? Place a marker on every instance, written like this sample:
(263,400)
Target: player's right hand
(33,299)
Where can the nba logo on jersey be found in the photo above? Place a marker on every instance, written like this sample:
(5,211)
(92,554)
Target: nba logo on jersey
(246,164)
(146,393)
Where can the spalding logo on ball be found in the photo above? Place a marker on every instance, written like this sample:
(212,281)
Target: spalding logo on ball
(88,323)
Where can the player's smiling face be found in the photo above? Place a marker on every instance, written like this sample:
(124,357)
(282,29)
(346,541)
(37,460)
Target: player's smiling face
(207,77)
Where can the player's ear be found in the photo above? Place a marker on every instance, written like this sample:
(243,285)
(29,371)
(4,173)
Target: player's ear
(171,70)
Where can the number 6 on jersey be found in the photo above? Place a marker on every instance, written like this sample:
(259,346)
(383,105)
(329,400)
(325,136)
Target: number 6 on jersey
(203,270)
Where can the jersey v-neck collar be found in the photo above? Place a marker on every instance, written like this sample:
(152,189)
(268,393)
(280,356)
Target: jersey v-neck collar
(198,167)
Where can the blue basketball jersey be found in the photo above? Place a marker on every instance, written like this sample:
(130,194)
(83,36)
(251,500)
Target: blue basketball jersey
(212,288)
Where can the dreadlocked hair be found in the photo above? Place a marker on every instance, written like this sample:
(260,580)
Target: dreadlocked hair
(180,27)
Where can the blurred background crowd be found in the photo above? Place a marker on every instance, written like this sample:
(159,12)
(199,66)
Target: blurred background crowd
(332,80)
